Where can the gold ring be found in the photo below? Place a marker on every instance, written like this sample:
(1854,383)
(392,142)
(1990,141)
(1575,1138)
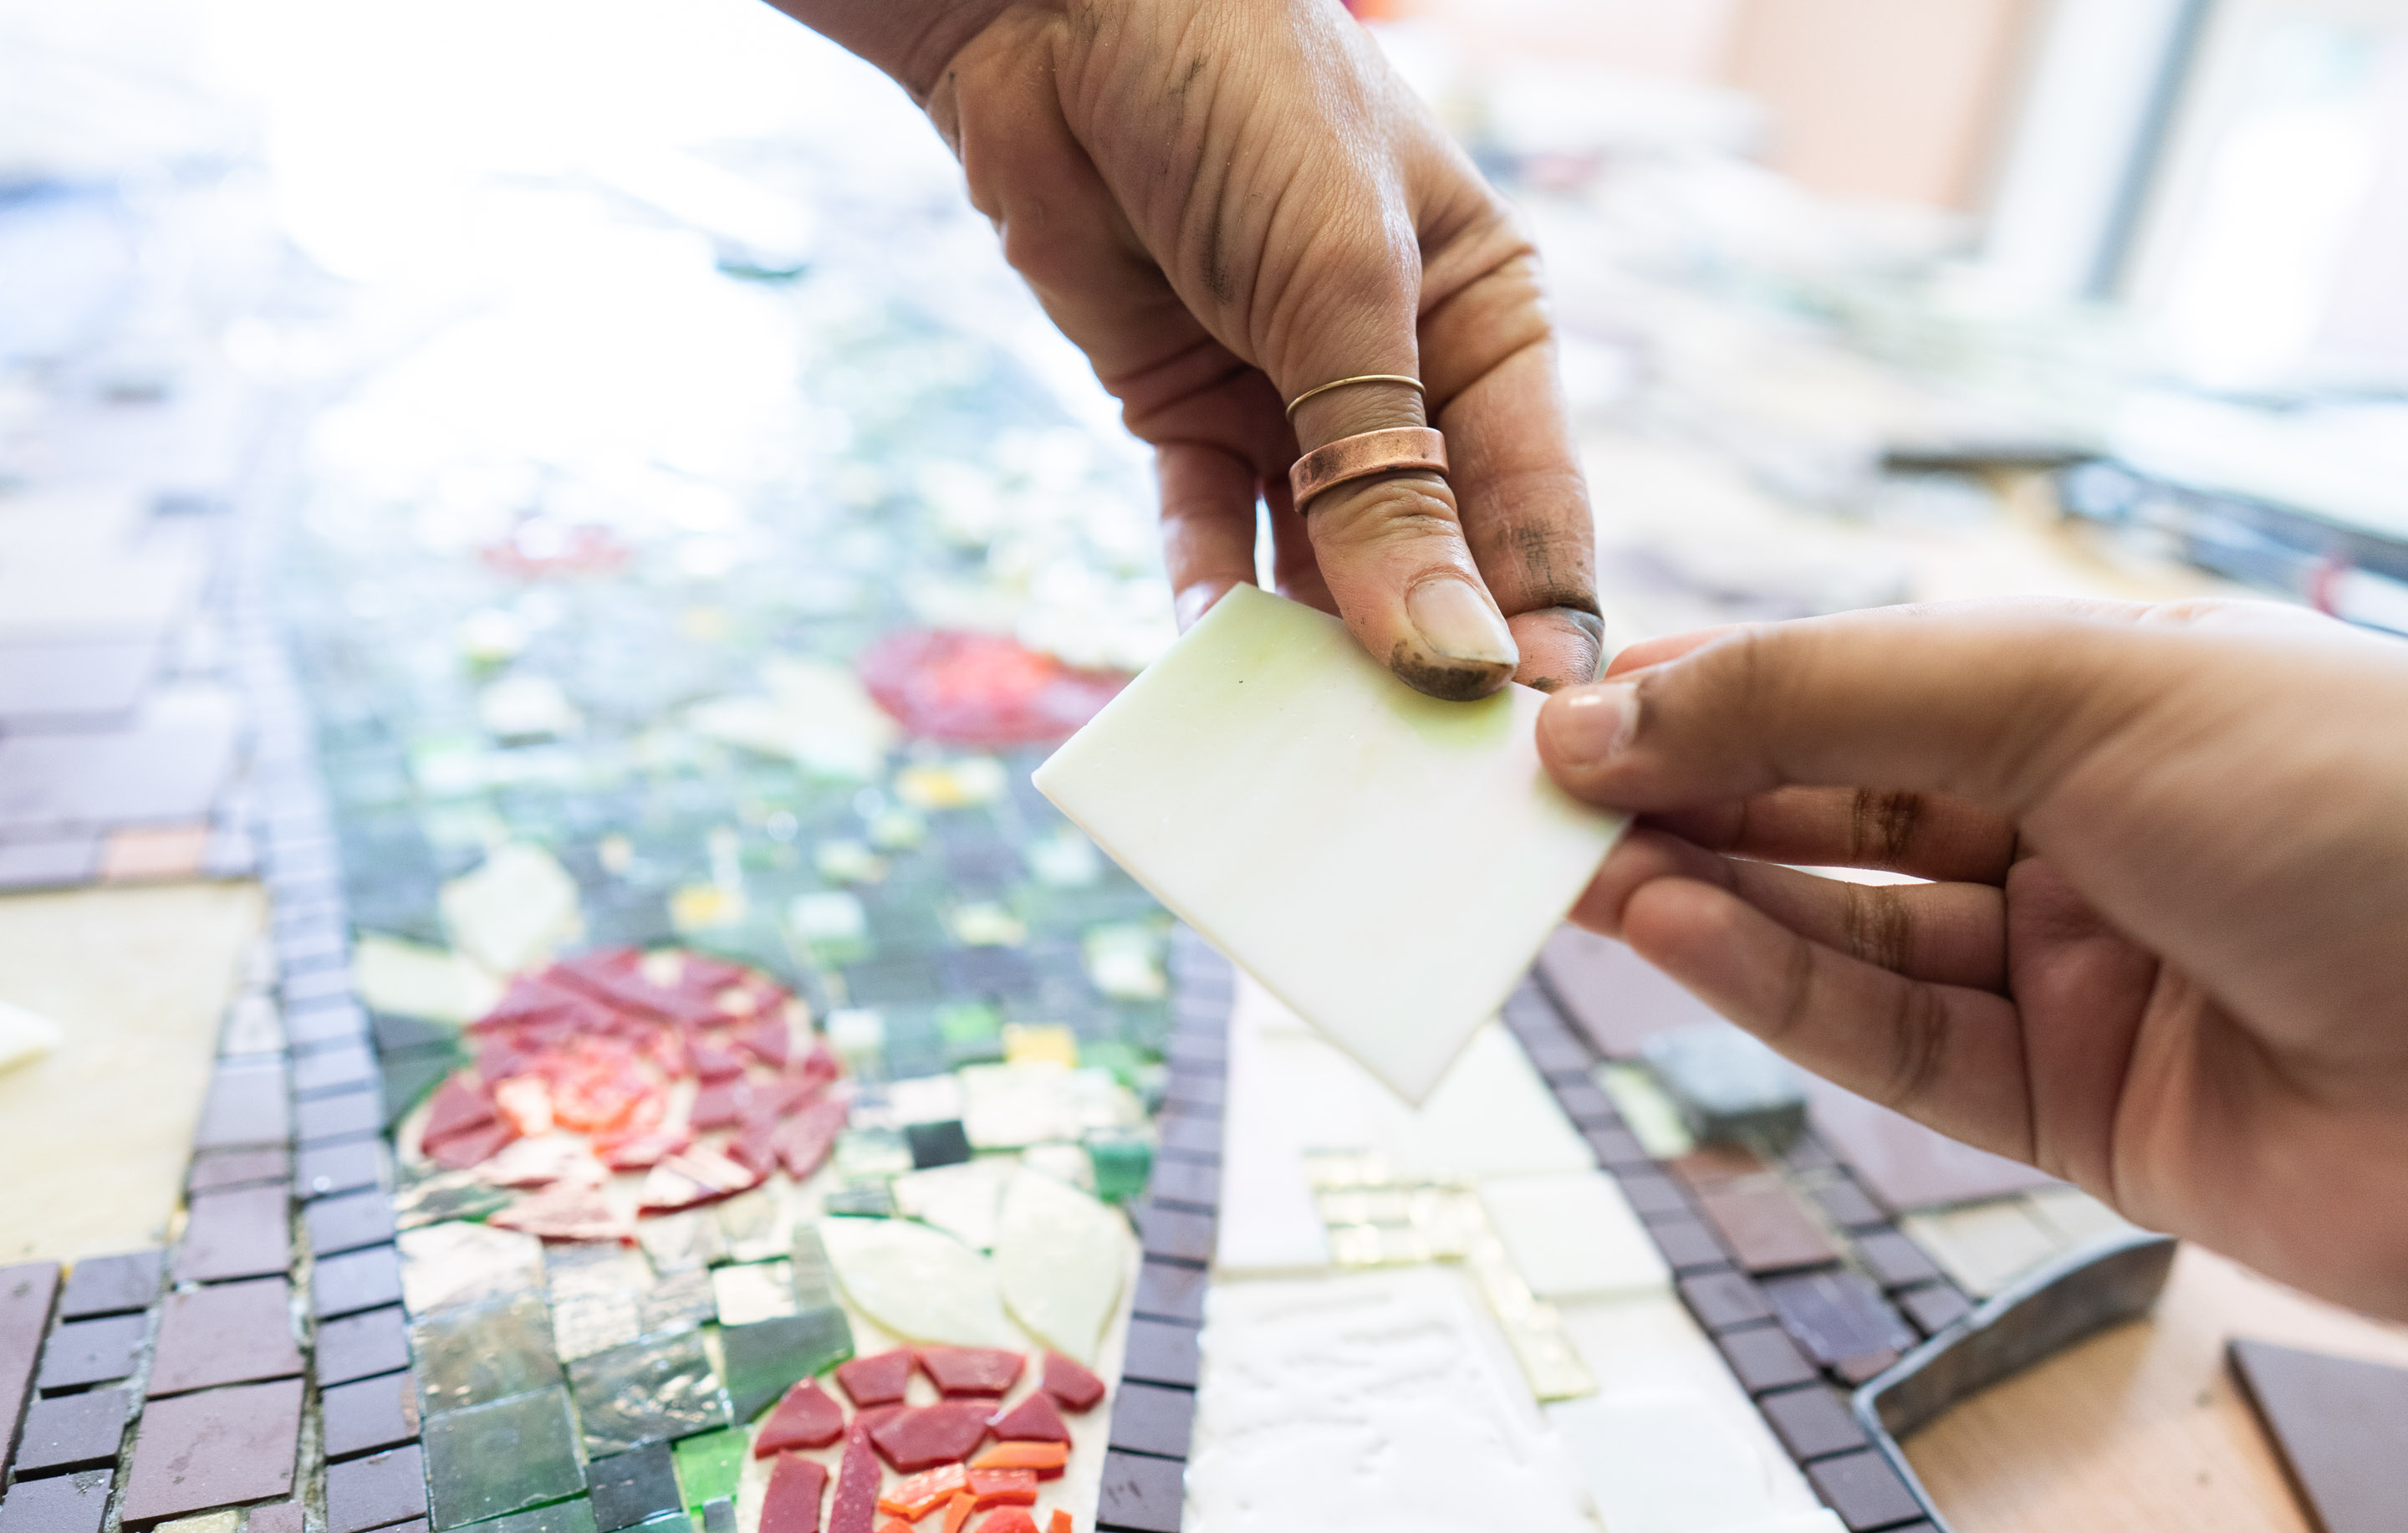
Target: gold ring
(1412,383)
(1398,448)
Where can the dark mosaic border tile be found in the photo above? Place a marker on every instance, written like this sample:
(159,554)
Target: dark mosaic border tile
(1794,1346)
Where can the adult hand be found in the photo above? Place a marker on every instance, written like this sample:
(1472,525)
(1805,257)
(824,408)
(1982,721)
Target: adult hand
(1227,203)
(2164,952)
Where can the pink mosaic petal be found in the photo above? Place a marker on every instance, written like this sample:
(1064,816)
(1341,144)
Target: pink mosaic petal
(808,1417)
(972,1370)
(792,1502)
(878,1379)
(1033,1420)
(855,1509)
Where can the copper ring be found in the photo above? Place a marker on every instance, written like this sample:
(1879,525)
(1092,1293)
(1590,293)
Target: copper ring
(1394,450)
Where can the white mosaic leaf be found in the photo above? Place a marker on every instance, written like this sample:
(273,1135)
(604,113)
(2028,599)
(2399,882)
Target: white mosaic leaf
(919,1283)
(1062,1257)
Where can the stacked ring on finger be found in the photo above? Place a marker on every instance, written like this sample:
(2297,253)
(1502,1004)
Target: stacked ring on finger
(1397,450)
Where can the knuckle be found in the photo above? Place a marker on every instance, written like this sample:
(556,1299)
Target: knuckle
(1883,826)
(1878,925)
(1392,509)
(1918,1035)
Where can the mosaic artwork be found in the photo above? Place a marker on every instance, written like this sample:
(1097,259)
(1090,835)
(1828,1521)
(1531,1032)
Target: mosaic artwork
(692,1080)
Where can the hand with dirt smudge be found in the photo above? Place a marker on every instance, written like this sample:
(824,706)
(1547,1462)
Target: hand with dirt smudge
(1227,203)
(2164,950)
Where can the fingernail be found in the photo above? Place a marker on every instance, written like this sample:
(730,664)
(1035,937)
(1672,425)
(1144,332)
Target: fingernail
(1456,621)
(1592,723)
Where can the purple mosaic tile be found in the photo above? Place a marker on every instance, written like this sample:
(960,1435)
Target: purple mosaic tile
(357,1346)
(214,1449)
(347,1166)
(1176,1235)
(355,1280)
(1149,1419)
(229,1333)
(244,1232)
(342,1067)
(1864,1490)
(73,1432)
(349,1116)
(1159,1351)
(1811,1422)
(107,1285)
(1141,1494)
(25,1294)
(1169,1291)
(1893,1260)
(326,1023)
(249,1104)
(349,1222)
(1187,1182)
(67,1503)
(371,1415)
(91,1352)
(53,862)
(217,1169)
(1724,1300)
(376,1491)
(1763,1357)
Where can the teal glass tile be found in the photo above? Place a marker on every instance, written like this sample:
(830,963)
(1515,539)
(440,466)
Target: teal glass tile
(474,1352)
(574,1516)
(656,1390)
(767,1358)
(500,1457)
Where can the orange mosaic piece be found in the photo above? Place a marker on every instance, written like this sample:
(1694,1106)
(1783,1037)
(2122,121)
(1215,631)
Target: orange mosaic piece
(957,1512)
(1004,1488)
(922,1493)
(1045,1459)
(1060,1523)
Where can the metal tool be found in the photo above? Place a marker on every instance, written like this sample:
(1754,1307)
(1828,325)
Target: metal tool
(2082,1292)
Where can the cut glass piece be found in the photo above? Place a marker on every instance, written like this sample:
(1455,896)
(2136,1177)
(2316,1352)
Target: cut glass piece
(573,1516)
(631,1488)
(808,1417)
(1281,746)
(1983,1246)
(1573,1236)
(1033,1420)
(920,1437)
(942,1143)
(1122,1165)
(654,1391)
(1069,1383)
(972,1370)
(962,1201)
(854,1507)
(502,1457)
(461,1263)
(679,1301)
(859,1200)
(470,1354)
(763,1360)
(877,1380)
(1060,1258)
(710,1466)
(920,1283)
(754,1226)
(1730,1084)
(753,1292)
(792,1502)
